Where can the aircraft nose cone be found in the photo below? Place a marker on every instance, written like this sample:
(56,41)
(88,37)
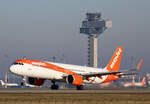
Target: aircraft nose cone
(12,68)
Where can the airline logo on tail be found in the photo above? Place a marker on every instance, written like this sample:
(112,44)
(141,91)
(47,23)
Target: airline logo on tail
(116,58)
(114,63)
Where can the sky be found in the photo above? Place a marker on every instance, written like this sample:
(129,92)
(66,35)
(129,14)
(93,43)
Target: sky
(41,29)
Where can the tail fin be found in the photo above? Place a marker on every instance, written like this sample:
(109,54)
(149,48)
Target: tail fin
(2,83)
(140,63)
(114,63)
(144,81)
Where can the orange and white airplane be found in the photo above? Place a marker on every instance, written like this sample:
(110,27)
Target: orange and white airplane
(135,84)
(38,71)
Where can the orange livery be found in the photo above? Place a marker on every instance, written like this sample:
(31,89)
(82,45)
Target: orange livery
(38,71)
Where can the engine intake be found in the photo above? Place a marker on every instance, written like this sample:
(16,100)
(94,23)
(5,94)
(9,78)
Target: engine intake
(74,79)
(35,81)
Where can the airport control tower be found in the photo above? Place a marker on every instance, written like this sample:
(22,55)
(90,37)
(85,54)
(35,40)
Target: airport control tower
(93,26)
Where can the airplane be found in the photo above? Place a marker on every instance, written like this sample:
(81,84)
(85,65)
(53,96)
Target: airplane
(135,84)
(5,83)
(8,84)
(39,71)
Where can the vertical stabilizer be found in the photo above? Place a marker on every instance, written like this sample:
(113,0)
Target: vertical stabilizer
(2,83)
(114,63)
(144,81)
(140,63)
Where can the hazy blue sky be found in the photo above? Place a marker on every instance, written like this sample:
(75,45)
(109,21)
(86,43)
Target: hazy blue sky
(46,28)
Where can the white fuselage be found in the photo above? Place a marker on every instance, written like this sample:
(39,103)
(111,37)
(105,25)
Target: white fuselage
(79,74)
(45,73)
(8,84)
(133,84)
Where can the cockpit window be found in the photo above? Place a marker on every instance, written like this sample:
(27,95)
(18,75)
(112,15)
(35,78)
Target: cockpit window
(18,63)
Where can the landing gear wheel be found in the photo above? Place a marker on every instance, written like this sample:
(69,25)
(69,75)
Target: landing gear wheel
(54,86)
(80,87)
(22,84)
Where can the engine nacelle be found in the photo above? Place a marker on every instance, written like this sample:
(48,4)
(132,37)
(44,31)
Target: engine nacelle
(74,79)
(35,81)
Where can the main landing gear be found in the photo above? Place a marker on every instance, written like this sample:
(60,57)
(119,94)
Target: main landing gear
(80,87)
(54,86)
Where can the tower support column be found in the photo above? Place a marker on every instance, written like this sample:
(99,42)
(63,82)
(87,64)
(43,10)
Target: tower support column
(93,51)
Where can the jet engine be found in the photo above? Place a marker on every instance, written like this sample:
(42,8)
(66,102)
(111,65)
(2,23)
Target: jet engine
(74,79)
(35,81)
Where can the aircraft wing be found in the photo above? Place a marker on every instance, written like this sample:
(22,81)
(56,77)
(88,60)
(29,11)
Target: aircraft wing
(98,73)
(117,73)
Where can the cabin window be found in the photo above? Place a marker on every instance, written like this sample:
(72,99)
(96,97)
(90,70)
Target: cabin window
(18,63)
